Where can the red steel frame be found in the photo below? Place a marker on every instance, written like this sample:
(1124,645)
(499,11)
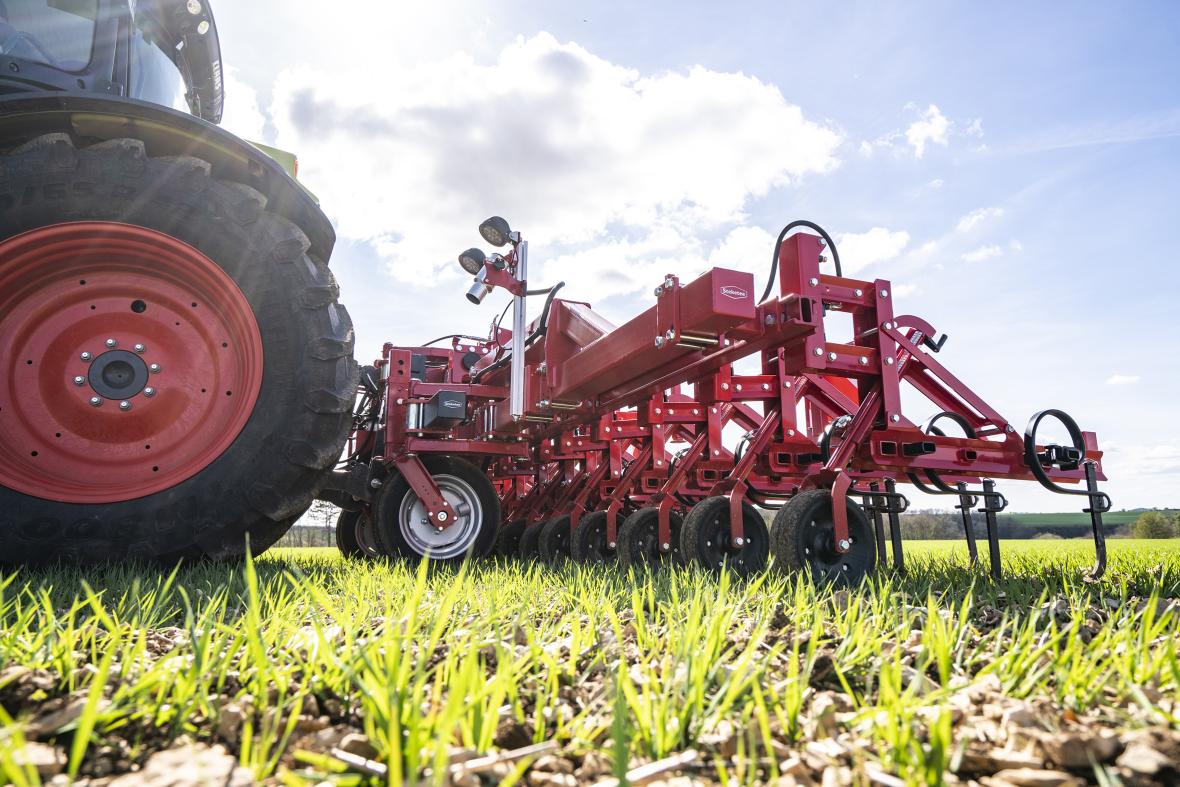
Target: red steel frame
(603,406)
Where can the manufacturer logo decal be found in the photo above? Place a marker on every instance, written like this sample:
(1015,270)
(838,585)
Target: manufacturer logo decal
(737,293)
(451,403)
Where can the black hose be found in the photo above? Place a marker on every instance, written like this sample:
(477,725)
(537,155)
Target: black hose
(782,236)
(542,327)
(454,336)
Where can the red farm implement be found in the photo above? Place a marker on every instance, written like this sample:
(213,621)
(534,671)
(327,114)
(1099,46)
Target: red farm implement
(659,439)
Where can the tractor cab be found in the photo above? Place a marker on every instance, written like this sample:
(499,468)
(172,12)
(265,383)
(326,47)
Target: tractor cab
(165,52)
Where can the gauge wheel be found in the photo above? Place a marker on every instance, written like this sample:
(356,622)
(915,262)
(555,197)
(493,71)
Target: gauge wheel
(589,543)
(803,533)
(706,538)
(639,542)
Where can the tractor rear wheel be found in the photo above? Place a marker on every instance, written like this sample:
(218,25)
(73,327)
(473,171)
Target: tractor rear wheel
(176,376)
(706,537)
(803,533)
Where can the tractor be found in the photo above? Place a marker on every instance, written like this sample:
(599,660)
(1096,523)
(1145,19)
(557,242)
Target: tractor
(176,372)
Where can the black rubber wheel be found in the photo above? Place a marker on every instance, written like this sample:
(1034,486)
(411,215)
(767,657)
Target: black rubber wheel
(589,543)
(801,537)
(270,473)
(706,540)
(639,542)
(508,540)
(346,540)
(553,544)
(401,517)
(356,537)
(530,547)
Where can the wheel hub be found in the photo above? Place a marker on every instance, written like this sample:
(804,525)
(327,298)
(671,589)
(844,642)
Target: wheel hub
(129,361)
(118,374)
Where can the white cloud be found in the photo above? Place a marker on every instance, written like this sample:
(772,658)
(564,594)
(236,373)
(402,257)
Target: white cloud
(932,128)
(612,171)
(1015,246)
(1122,379)
(242,115)
(936,183)
(977,217)
(859,250)
(983,253)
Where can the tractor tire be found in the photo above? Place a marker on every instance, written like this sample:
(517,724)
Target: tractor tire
(400,515)
(801,539)
(176,376)
(553,543)
(705,538)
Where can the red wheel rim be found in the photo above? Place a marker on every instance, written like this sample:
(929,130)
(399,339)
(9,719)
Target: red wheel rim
(174,316)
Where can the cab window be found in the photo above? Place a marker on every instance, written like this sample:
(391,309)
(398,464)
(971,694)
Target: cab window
(57,33)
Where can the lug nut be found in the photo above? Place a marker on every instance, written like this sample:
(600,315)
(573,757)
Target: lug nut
(86,356)
(149,391)
(96,401)
(79,380)
(112,343)
(139,348)
(124,405)
(154,368)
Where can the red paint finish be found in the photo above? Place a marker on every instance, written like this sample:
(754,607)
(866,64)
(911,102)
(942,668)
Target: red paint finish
(65,290)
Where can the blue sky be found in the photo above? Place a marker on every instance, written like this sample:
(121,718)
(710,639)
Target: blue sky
(1013,168)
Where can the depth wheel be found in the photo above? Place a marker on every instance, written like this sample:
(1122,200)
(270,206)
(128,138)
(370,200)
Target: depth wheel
(356,537)
(639,540)
(553,543)
(530,548)
(706,538)
(176,377)
(402,521)
(508,540)
(802,538)
(589,543)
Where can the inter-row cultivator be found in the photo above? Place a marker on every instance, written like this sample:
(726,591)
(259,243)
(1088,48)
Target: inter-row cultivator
(644,443)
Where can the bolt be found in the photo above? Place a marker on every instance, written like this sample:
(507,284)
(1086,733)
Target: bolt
(669,283)
(154,368)
(813,281)
(894,418)
(859,292)
(716,452)
(887,326)
(441,516)
(95,401)
(659,342)
(658,291)
(669,334)
(889,361)
(765,386)
(822,243)
(844,543)
(112,343)
(823,258)
(831,356)
(139,348)
(1009,428)
(737,542)
(819,350)
(375,483)
(124,405)
(665,547)
(738,387)
(884,293)
(658,411)
(612,545)
(863,361)
(438,530)
(541,367)
(149,392)
(769,319)
(724,386)
(790,433)
(86,356)
(79,380)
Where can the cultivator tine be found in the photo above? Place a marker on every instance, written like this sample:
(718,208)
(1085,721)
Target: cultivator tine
(966,503)
(895,528)
(1099,503)
(874,504)
(989,509)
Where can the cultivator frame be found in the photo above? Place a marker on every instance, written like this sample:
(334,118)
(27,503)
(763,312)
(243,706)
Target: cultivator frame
(571,417)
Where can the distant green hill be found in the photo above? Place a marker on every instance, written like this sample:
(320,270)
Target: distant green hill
(1071,519)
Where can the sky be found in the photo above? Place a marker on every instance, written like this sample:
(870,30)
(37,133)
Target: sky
(1012,168)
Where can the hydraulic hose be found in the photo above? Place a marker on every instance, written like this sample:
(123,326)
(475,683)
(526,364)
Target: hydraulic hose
(782,236)
(542,327)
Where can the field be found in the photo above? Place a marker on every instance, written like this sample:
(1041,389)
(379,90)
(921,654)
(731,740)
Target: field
(301,668)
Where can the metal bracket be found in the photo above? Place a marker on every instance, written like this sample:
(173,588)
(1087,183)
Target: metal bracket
(418,477)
